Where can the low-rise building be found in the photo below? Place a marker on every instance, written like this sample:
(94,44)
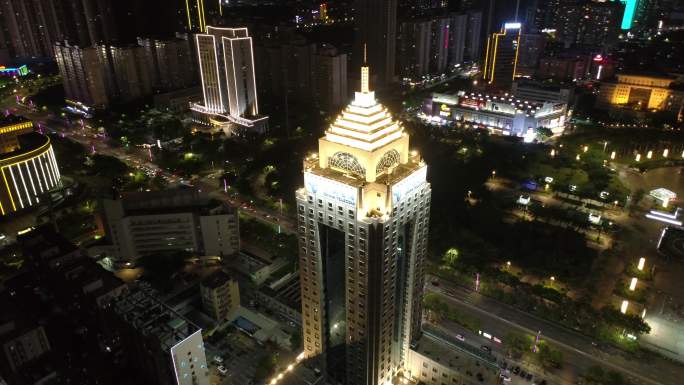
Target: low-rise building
(641,92)
(165,347)
(543,91)
(220,295)
(180,220)
(506,114)
(438,360)
(282,295)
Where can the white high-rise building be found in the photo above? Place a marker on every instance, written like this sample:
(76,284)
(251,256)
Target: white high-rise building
(226,65)
(363,218)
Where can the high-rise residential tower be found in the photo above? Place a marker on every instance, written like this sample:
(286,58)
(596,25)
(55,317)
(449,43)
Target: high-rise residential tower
(502,55)
(363,228)
(376,25)
(226,65)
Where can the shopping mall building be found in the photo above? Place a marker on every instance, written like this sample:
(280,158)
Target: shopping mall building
(505,114)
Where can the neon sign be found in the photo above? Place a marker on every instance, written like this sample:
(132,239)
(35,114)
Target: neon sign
(16,71)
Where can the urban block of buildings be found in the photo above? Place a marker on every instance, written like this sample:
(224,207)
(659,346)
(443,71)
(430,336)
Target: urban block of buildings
(429,46)
(103,74)
(295,71)
(504,114)
(226,65)
(180,220)
(37,339)
(27,165)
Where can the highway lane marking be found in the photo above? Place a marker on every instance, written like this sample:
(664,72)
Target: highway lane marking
(568,347)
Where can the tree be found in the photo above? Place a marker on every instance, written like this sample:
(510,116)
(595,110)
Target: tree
(543,133)
(265,367)
(108,166)
(549,357)
(296,340)
(450,257)
(517,343)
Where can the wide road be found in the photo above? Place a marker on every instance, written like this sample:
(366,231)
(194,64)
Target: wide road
(140,159)
(577,349)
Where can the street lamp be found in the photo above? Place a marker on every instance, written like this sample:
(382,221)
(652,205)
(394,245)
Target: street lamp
(623,307)
(642,262)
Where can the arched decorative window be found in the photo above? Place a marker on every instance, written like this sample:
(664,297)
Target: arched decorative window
(390,159)
(347,162)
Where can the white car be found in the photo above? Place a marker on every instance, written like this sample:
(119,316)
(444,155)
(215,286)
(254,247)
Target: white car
(218,359)
(222,369)
(460,337)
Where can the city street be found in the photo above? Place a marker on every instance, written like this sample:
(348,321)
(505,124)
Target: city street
(578,351)
(139,158)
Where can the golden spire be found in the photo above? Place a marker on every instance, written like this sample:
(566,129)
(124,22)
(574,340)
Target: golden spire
(365,72)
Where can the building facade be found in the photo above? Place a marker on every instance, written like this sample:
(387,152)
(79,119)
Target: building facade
(330,69)
(431,45)
(220,295)
(503,115)
(501,57)
(226,65)
(363,218)
(170,221)
(641,92)
(591,23)
(31,27)
(543,92)
(27,165)
(82,74)
(103,74)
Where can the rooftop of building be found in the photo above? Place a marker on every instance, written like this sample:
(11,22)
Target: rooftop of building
(553,86)
(216,279)
(284,288)
(21,306)
(28,142)
(452,353)
(37,241)
(142,309)
(528,106)
(173,201)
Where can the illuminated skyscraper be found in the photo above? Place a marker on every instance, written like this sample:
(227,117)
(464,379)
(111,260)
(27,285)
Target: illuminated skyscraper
(363,228)
(502,55)
(226,64)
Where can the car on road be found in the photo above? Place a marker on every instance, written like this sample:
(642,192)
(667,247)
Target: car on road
(516,370)
(222,369)
(505,377)
(435,283)
(218,359)
(523,373)
(460,337)
(486,348)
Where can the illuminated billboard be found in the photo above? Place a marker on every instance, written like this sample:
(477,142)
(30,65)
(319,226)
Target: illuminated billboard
(331,189)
